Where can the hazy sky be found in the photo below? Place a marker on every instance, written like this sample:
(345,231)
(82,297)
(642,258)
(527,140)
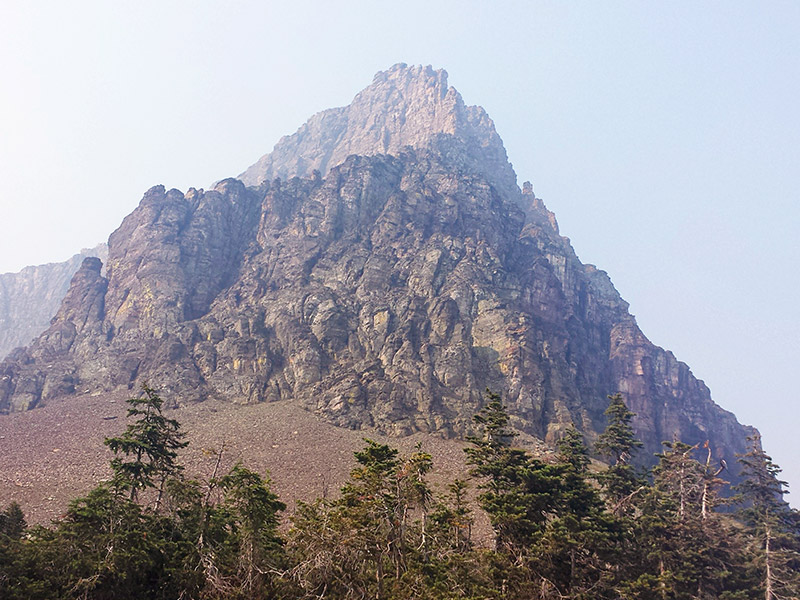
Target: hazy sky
(665,136)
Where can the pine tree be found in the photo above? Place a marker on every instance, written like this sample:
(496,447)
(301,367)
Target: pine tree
(618,442)
(580,541)
(12,527)
(150,443)
(365,543)
(620,484)
(684,548)
(772,524)
(105,547)
(519,493)
(12,521)
(452,520)
(572,450)
(250,550)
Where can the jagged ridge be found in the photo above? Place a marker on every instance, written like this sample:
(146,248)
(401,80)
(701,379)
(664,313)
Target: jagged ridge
(405,107)
(30,298)
(389,292)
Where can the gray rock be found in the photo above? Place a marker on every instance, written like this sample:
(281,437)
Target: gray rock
(30,298)
(404,107)
(388,292)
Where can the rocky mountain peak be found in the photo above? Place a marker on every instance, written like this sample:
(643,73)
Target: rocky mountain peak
(404,107)
(382,269)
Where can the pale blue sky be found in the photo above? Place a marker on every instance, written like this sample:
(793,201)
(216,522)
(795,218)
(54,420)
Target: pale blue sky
(665,136)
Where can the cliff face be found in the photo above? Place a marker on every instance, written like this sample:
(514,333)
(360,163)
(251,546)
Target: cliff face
(404,107)
(389,287)
(30,298)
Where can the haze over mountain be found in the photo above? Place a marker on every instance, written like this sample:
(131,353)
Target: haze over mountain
(380,268)
(30,298)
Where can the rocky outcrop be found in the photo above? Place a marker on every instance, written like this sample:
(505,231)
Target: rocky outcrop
(388,292)
(30,298)
(405,107)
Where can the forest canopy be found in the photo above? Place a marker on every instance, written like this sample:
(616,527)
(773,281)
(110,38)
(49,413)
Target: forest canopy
(561,529)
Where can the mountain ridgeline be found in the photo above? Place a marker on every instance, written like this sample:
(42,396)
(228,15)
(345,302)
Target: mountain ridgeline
(30,298)
(381,268)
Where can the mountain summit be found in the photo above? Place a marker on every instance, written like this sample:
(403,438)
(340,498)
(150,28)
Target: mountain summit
(404,107)
(379,268)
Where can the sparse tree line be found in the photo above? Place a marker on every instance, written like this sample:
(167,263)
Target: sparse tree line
(560,529)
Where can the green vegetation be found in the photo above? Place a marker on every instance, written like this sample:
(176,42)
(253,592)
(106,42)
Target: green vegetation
(560,530)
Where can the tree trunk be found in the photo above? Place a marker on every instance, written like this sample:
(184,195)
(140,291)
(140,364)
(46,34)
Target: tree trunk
(160,494)
(571,569)
(768,593)
(682,508)
(704,508)
(379,576)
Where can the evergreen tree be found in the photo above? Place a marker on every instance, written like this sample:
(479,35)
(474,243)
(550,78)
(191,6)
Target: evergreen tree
(580,541)
(109,546)
(245,552)
(364,543)
(572,451)
(12,521)
(618,443)
(105,547)
(452,520)
(150,445)
(684,548)
(771,523)
(519,493)
(620,483)
(12,527)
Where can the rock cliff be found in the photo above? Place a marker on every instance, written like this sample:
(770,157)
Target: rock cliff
(404,107)
(380,268)
(30,298)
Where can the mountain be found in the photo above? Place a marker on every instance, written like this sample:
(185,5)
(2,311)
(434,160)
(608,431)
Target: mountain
(404,107)
(380,268)
(30,298)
